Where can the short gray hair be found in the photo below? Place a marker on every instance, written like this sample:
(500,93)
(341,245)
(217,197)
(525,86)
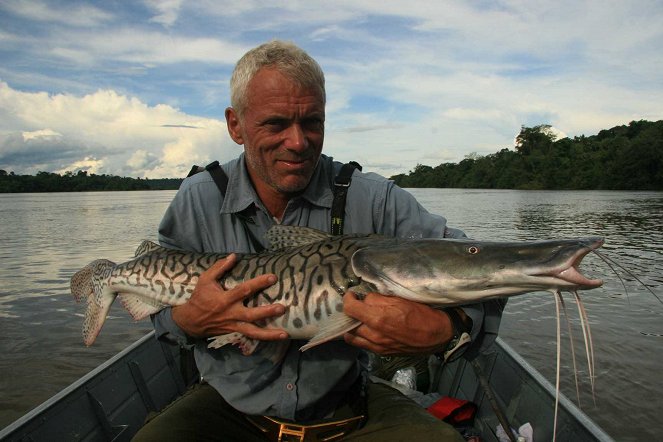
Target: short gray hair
(287,58)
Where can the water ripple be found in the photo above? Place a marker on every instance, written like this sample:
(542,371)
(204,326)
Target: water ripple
(47,237)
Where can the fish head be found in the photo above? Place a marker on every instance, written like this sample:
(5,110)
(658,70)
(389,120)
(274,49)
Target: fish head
(452,272)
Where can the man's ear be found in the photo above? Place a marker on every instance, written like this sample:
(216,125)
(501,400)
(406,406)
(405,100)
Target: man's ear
(234,126)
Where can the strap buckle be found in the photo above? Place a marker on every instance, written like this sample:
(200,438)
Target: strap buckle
(342,181)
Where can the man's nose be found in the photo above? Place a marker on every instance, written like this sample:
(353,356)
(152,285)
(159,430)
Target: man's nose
(295,138)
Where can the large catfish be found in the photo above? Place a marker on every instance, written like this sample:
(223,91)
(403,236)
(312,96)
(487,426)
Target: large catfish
(315,270)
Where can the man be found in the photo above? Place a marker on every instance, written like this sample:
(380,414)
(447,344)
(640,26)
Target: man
(278,115)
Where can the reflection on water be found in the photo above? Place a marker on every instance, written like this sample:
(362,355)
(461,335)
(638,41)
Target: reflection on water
(47,237)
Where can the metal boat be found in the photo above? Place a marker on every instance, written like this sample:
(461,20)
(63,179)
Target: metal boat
(111,402)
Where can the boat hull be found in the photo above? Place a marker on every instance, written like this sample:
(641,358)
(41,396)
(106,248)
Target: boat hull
(112,401)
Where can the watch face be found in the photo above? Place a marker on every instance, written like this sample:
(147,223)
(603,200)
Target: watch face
(454,346)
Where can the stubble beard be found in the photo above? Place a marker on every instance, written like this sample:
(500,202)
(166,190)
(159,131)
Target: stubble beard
(281,185)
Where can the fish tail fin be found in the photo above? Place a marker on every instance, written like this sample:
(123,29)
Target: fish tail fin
(336,326)
(90,284)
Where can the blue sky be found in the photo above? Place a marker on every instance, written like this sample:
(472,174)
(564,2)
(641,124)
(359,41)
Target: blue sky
(139,88)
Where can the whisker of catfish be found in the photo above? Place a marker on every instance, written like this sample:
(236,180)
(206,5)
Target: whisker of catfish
(573,352)
(558,297)
(614,265)
(589,345)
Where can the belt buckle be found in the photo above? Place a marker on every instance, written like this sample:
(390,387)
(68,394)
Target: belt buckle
(322,432)
(287,430)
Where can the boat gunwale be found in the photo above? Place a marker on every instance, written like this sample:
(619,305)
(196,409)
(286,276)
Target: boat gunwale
(83,382)
(549,389)
(87,382)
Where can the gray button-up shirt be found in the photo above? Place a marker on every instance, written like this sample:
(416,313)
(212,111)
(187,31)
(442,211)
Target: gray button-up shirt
(301,386)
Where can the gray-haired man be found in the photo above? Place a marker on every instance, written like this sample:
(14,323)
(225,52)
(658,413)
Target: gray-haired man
(278,115)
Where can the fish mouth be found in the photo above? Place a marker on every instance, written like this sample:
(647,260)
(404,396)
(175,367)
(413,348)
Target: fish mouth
(569,271)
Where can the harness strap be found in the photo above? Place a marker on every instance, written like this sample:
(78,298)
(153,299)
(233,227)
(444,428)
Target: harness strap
(194,170)
(341,184)
(219,176)
(221,180)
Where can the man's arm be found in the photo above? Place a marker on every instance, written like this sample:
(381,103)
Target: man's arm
(211,311)
(396,326)
(392,325)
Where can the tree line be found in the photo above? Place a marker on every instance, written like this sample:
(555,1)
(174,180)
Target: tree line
(627,157)
(79,182)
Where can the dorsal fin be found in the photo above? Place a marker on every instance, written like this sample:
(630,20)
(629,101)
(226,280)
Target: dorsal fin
(146,247)
(284,237)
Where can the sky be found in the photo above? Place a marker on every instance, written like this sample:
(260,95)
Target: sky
(139,88)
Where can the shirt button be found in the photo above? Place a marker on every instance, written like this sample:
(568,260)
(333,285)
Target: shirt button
(290,387)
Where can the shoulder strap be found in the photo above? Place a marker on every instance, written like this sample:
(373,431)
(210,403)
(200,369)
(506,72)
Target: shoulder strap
(218,175)
(341,184)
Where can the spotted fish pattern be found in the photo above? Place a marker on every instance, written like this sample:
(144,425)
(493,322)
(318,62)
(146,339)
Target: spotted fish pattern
(315,270)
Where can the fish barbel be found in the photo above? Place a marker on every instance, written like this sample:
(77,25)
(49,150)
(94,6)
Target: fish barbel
(315,270)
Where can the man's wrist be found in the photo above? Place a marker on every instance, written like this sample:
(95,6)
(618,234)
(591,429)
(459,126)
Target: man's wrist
(461,327)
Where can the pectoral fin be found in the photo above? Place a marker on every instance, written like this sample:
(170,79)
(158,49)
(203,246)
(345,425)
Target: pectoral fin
(138,306)
(336,326)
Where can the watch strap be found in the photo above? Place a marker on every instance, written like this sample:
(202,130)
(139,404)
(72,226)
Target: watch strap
(460,338)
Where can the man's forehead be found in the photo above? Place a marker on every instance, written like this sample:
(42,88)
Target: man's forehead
(271,86)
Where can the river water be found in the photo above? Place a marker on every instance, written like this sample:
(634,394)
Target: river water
(45,238)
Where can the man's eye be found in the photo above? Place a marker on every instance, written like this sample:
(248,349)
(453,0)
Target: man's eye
(275,123)
(314,124)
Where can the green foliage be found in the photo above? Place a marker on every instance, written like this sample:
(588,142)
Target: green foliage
(622,158)
(78,182)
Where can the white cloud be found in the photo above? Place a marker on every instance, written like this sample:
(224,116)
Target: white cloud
(43,133)
(407,82)
(88,164)
(141,160)
(144,47)
(167,11)
(68,14)
(105,132)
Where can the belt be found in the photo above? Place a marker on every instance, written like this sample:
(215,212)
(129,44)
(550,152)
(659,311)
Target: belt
(278,430)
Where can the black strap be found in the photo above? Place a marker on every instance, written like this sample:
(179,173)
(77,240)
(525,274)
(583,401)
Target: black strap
(219,176)
(341,184)
(194,170)
(221,180)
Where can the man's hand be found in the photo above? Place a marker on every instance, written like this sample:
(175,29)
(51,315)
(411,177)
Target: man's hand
(396,326)
(213,311)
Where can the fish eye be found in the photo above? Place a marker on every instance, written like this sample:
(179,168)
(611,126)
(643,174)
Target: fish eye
(473,250)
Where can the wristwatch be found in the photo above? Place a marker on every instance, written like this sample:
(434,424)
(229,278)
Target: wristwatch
(461,335)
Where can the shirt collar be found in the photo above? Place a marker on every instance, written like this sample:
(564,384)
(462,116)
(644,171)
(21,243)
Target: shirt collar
(240,193)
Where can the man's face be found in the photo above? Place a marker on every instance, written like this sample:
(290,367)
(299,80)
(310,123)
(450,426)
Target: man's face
(282,130)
